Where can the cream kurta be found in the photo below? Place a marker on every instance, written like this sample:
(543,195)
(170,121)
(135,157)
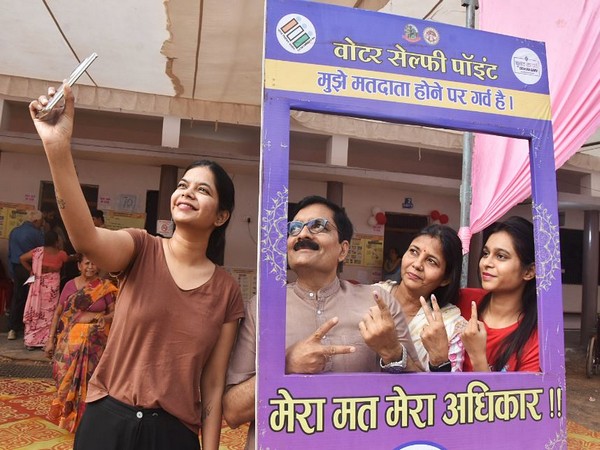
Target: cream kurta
(306,311)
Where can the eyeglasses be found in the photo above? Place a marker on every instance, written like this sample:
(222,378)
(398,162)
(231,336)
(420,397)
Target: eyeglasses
(314,226)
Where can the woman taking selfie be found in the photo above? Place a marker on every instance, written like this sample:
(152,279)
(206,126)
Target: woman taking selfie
(162,374)
(502,331)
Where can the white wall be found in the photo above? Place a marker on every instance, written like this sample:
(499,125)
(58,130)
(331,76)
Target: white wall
(360,200)
(301,188)
(20,176)
(240,251)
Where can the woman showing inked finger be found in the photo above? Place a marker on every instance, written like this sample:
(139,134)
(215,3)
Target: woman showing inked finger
(502,333)
(428,290)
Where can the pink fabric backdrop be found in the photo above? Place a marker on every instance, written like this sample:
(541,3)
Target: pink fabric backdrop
(571,31)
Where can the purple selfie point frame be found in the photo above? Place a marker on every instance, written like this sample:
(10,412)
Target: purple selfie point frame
(344,61)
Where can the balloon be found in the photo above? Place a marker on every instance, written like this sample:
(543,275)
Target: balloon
(375,210)
(380,217)
(435,214)
(444,219)
(372,221)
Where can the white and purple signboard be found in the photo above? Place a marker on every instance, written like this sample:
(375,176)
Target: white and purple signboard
(358,63)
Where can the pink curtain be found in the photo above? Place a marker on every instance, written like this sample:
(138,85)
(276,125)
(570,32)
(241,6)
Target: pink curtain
(571,31)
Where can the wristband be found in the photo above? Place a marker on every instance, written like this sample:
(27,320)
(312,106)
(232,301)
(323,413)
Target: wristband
(395,366)
(446,366)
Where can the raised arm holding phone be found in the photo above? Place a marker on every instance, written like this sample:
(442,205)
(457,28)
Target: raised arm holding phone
(162,374)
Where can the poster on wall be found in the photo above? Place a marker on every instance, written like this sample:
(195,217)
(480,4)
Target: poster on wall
(246,279)
(116,220)
(351,62)
(164,228)
(11,216)
(365,250)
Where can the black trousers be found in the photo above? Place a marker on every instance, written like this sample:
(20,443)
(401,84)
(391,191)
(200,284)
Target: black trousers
(109,424)
(17,306)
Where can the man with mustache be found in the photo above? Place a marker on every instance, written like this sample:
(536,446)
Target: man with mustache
(332,325)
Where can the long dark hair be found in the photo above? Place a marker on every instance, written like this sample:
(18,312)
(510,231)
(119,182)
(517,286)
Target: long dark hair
(226,194)
(452,252)
(521,232)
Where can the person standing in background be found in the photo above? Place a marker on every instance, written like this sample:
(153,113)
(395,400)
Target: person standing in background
(52,222)
(391,266)
(98,218)
(78,336)
(44,263)
(22,239)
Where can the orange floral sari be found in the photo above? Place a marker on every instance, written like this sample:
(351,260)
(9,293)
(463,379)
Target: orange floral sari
(79,347)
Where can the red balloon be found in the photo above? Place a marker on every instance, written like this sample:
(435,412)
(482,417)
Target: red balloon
(380,217)
(435,214)
(444,219)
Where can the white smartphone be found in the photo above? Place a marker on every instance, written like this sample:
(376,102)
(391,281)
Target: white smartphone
(79,70)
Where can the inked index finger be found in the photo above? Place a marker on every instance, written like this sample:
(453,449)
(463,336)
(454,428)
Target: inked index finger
(426,310)
(474,311)
(383,307)
(434,304)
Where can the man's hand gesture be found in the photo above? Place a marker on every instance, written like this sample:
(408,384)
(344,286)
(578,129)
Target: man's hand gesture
(310,355)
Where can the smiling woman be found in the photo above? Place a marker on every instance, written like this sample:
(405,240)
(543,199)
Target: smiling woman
(220,187)
(177,312)
(428,291)
(502,331)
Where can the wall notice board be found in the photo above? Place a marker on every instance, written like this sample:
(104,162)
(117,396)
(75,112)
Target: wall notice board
(11,216)
(365,250)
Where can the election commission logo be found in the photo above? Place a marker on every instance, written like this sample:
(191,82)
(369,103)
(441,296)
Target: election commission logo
(296,33)
(527,66)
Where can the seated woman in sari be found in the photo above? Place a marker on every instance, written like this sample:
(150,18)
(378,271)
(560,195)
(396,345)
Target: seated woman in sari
(78,335)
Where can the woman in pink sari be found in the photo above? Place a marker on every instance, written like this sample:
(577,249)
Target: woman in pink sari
(44,263)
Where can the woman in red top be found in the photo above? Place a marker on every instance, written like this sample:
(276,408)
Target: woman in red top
(502,331)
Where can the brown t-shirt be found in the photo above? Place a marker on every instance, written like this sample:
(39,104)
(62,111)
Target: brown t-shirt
(162,336)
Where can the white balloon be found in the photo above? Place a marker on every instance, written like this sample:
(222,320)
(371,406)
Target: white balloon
(372,221)
(375,210)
